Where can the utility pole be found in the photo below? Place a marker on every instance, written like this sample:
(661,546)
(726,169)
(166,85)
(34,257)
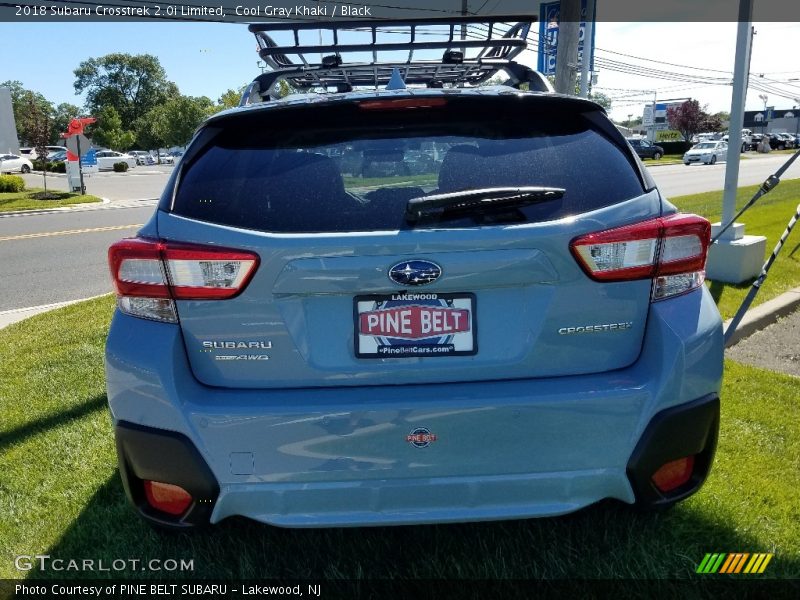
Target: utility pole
(741,74)
(736,257)
(567,55)
(464,11)
(588,49)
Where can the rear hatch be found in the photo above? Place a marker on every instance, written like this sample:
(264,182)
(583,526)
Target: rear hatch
(352,289)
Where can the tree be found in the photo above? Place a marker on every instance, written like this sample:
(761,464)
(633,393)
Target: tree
(711,123)
(687,118)
(132,84)
(62,115)
(723,115)
(36,121)
(601,99)
(598,97)
(20,102)
(230,99)
(149,134)
(108,131)
(177,119)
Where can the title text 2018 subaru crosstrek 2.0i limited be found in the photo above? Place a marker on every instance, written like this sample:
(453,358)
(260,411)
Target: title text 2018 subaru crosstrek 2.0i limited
(502,319)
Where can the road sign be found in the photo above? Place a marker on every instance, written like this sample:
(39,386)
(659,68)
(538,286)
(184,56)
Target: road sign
(89,157)
(72,144)
(548,36)
(647,116)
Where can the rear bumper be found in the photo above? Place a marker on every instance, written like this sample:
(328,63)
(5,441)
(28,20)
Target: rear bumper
(687,429)
(503,449)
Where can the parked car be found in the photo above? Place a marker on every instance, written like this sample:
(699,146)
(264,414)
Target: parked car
(166,159)
(524,335)
(106,159)
(14,163)
(30,153)
(776,142)
(706,152)
(142,157)
(646,149)
(755,140)
(746,140)
(788,138)
(59,156)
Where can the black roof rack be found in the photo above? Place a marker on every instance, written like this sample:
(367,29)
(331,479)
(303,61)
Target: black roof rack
(469,60)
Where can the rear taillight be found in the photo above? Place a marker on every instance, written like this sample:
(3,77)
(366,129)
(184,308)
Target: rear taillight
(674,474)
(669,250)
(149,275)
(166,497)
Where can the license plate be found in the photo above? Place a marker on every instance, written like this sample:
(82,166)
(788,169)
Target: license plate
(411,324)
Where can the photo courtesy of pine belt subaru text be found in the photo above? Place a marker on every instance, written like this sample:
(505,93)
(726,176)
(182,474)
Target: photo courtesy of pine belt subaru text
(410,299)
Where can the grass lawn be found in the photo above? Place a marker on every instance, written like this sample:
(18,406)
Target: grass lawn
(768,217)
(667,159)
(24,200)
(60,493)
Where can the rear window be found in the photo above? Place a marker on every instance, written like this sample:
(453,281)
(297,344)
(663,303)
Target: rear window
(341,168)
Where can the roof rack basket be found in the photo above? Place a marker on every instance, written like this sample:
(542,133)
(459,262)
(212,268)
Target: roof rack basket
(473,50)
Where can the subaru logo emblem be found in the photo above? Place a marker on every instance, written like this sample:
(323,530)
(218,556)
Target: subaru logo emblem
(415,272)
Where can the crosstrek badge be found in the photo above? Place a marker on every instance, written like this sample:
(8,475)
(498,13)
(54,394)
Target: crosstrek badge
(415,322)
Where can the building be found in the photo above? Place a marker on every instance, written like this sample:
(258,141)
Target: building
(773,120)
(8,127)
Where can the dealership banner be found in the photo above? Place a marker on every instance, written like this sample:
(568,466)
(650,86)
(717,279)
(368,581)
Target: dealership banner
(548,36)
(233,11)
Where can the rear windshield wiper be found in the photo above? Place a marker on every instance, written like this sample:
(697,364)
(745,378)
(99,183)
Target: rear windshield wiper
(471,201)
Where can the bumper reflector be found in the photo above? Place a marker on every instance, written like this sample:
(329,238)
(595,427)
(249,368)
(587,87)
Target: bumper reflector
(168,498)
(674,474)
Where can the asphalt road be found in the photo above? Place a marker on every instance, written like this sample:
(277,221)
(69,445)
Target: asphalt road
(59,265)
(679,180)
(68,260)
(137,184)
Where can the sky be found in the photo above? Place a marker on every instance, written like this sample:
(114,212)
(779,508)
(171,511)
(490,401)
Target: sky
(209,58)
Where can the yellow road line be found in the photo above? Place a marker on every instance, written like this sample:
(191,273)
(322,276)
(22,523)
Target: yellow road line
(27,236)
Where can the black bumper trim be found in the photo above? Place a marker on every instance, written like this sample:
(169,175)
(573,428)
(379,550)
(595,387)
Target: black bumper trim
(169,457)
(676,432)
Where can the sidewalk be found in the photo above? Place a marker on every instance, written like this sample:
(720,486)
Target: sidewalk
(776,347)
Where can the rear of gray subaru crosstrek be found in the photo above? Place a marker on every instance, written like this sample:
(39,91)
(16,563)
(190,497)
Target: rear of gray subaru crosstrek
(405,307)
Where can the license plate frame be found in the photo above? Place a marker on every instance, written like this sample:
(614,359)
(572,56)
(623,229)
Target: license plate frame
(443,310)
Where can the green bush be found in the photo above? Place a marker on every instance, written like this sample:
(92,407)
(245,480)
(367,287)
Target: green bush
(52,167)
(11,183)
(120,167)
(674,147)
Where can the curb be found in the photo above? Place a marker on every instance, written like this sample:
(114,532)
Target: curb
(7,317)
(86,206)
(765,314)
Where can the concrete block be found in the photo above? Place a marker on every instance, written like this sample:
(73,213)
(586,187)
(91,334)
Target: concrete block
(735,261)
(734,232)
